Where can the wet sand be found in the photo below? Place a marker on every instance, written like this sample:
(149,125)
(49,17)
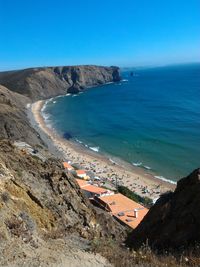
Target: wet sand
(141,182)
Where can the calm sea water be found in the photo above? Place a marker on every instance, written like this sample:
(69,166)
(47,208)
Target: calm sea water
(151,119)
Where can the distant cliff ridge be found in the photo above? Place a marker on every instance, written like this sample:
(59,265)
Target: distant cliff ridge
(41,83)
(17,88)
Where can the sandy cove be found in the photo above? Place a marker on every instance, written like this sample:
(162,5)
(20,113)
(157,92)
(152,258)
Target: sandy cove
(139,181)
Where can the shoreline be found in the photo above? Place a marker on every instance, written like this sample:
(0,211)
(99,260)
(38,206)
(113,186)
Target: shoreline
(143,183)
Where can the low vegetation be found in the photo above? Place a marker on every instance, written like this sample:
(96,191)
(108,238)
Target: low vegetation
(147,202)
(119,255)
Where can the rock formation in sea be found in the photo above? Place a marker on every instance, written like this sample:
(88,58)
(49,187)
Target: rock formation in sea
(41,83)
(174,220)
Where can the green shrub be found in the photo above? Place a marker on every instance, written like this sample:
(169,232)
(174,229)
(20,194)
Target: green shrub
(132,195)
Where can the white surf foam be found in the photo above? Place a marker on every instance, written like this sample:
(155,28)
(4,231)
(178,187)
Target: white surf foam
(137,164)
(44,106)
(96,149)
(45,115)
(111,160)
(109,82)
(164,179)
(114,162)
(147,167)
(59,96)
(80,142)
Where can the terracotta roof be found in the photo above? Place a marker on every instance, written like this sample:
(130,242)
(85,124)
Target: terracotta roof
(94,189)
(80,172)
(123,208)
(90,188)
(129,219)
(67,165)
(82,183)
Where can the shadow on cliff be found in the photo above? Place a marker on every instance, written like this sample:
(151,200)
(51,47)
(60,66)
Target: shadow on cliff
(173,223)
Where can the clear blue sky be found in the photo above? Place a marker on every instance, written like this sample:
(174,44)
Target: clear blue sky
(104,32)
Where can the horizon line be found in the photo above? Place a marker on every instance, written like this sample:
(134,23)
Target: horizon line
(101,65)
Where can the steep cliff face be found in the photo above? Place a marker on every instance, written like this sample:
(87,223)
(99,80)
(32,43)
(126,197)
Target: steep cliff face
(40,202)
(174,221)
(14,123)
(41,83)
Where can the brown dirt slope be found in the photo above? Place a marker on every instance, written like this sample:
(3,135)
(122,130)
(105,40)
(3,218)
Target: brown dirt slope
(40,204)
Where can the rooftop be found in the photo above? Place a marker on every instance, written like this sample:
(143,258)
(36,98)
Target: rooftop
(67,165)
(78,172)
(94,189)
(124,209)
(82,183)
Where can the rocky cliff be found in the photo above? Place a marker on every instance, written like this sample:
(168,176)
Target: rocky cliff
(14,123)
(41,204)
(41,83)
(174,221)
(17,88)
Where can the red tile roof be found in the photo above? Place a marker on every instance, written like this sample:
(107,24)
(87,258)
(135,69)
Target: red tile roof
(95,189)
(82,183)
(123,208)
(67,165)
(80,172)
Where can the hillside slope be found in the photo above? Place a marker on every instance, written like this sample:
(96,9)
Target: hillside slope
(42,206)
(14,123)
(41,83)
(174,221)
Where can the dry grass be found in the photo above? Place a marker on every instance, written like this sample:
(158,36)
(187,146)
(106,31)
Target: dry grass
(120,256)
(5,197)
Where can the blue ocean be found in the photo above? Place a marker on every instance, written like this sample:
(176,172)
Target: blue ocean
(150,119)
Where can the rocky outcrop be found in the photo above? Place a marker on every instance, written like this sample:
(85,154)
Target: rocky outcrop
(41,83)
(48,194)
(174,221)
(39,202)
(14,123)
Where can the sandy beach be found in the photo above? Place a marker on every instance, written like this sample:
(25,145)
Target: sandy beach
(139,181)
